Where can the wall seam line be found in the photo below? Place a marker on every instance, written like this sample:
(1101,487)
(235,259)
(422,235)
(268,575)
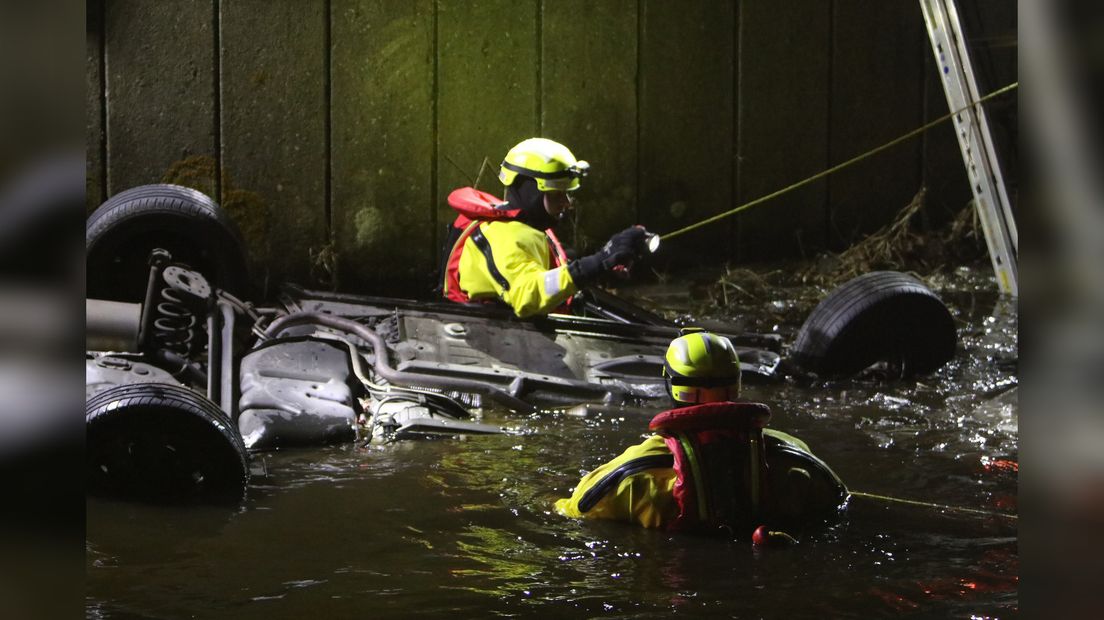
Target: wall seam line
(216,23)
(327,121)
(736,224)
(827,206)
(540,67)
(104,129)
(435,135)
(639,91)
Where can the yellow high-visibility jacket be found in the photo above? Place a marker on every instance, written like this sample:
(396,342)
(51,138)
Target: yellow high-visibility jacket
(519,270)
(643,496)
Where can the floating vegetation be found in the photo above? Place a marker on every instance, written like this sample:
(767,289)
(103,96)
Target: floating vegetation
(889,248)
(768,297)
(902,245)
(744,284)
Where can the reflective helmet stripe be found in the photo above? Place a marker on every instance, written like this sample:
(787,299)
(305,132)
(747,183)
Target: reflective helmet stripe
(558,174)
(681,349)
(702,381)
(705,338)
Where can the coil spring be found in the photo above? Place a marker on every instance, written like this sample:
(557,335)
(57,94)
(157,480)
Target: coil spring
(175,325)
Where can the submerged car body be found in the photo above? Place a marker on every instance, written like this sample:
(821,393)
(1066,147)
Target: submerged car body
(314,362)
(318,367)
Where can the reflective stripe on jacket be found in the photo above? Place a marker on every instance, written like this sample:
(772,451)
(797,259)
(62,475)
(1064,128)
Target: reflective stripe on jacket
(511,261)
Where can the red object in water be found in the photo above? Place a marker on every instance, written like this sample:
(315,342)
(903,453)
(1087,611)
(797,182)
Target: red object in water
(1005,465)
(762,537)
(759,536)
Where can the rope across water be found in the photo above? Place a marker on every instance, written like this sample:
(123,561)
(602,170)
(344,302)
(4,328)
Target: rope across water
(912,502)
(838,167)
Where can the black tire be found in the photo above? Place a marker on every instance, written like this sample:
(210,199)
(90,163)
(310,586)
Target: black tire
(121,232)
(882,316)
(163,443)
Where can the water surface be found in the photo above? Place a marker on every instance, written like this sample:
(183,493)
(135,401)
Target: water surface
(464,526)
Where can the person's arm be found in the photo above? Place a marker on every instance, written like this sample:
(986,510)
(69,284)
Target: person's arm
(612,492)
(524,279)
(620,251)
(521,256)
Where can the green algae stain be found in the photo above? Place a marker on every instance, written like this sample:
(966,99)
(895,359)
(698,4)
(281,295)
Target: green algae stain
(370,228)
(199,172)
(247,209)
(250,212)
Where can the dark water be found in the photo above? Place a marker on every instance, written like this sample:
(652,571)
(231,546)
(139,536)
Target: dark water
(465,528)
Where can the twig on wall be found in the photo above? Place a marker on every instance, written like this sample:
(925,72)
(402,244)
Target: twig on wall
(471,181)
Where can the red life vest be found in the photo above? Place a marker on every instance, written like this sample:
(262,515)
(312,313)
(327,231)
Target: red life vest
(473,208)
(719,461)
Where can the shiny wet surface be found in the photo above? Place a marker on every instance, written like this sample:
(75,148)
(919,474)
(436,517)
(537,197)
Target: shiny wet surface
(464,526)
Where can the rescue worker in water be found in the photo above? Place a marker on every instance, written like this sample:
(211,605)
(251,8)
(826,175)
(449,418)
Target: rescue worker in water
(508,250)
(711,465)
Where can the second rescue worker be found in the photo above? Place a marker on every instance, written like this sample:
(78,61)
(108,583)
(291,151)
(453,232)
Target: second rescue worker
(508,250)
(712,466)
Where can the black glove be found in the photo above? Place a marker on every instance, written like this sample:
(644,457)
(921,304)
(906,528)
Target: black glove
(621,250)
(625,247)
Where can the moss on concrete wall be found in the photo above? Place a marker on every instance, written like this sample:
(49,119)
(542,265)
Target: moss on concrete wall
(334,137)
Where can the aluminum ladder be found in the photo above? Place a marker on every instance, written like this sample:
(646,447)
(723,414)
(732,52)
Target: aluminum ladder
(972,130)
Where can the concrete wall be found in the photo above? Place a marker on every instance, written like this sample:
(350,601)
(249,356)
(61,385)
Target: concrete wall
(332,130)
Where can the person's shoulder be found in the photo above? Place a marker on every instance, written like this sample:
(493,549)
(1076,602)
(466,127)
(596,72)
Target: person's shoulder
(525,237)
(653,445)
(516,227)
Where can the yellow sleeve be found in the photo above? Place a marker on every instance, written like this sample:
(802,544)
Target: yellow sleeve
(523,258)
(643,498)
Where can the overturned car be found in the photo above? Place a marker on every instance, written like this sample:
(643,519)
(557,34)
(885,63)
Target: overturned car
(185,377)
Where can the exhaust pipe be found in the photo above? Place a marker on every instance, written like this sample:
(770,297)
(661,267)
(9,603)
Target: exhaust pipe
(111,325)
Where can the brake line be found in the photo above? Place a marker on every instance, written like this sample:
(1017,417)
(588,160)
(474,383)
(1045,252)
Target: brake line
(248,309)
(358,369)
(382,365)
(838,167)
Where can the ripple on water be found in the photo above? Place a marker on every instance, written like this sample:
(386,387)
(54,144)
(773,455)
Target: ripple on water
(466,528)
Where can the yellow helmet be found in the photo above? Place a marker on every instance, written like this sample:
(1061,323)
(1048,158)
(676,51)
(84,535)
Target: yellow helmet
(550,163)
(701,367)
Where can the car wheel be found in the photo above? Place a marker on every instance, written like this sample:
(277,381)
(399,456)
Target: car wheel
(162,442)
(882,316)
(120,234)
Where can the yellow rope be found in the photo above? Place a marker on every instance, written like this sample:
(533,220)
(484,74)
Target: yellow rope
(839,167)
(988,513)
